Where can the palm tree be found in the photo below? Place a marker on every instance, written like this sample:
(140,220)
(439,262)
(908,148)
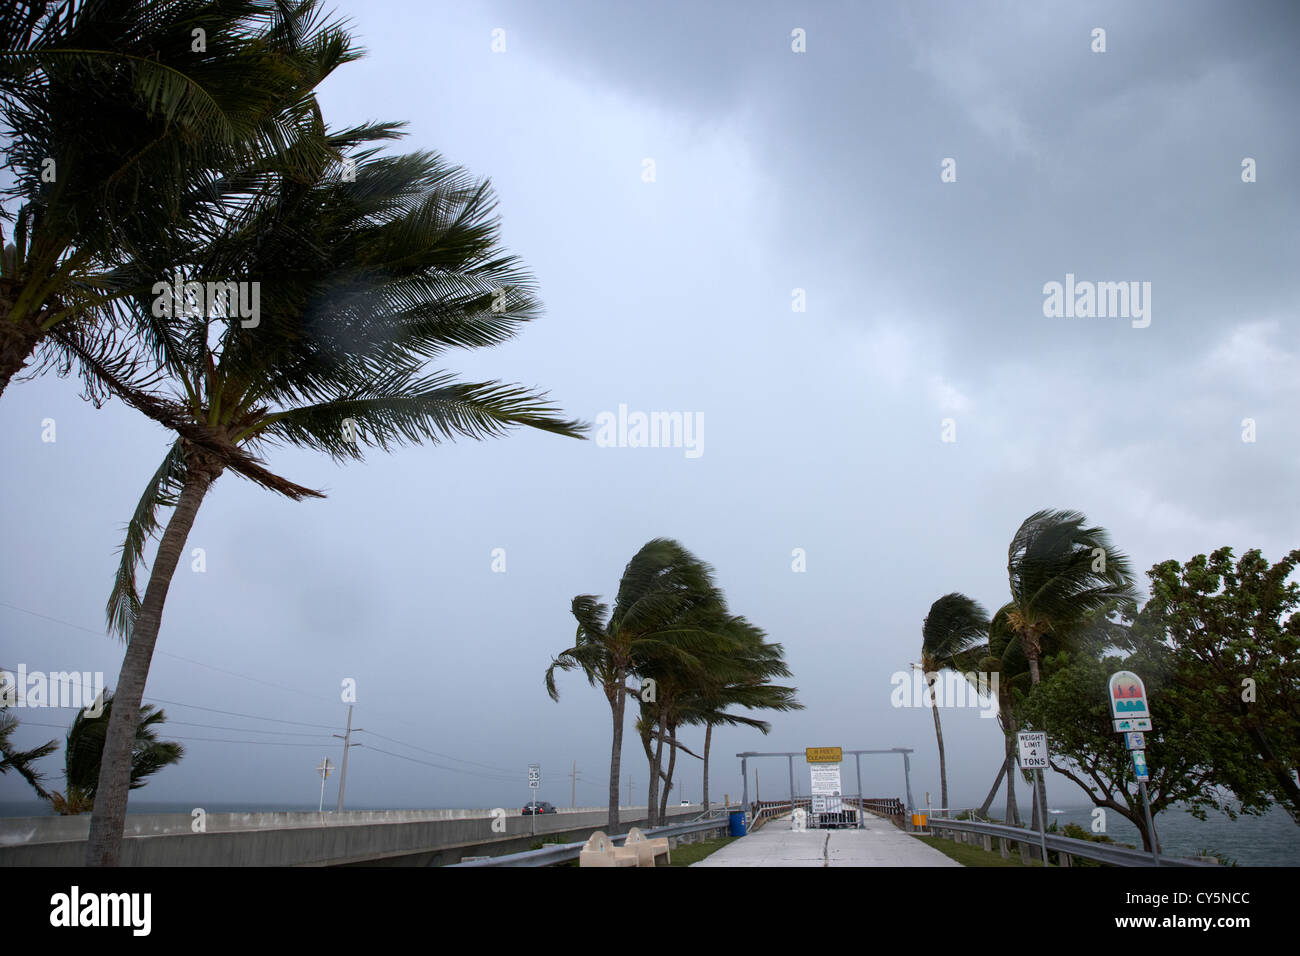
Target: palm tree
(22,761)
(1004,656)
(742,682)
(84,754)
(661,582)
(701,643)
(954,626)
(363,279)
(1061,571)
(116,123)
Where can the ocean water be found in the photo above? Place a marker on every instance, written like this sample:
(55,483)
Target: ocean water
(1269,840)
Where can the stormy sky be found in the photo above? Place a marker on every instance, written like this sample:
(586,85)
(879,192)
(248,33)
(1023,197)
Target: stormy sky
(799,280)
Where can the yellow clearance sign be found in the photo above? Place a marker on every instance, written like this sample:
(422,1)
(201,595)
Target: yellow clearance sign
(824,754)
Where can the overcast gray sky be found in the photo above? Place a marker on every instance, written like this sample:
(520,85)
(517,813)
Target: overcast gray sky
(823,429)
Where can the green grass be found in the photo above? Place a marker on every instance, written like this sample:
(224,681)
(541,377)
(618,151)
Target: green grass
(687,853)
(968,855)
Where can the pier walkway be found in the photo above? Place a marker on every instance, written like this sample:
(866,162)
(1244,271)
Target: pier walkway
(777,843)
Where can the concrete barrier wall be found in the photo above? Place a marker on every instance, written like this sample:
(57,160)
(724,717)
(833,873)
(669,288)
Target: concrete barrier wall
(398,837)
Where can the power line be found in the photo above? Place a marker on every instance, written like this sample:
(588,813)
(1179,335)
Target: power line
(435,753)
(266,743)
(160,653)
(438,766)
(247,730)
(500,773)
(231,713)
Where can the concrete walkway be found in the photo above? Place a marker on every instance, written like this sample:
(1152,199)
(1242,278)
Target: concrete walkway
(880,843)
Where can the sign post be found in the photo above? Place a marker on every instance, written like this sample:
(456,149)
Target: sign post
(324,770)
(1132,716)
(1033,756)
(534,781)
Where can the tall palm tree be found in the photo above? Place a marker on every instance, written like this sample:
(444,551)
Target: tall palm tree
(363,279)
(661,582)
(955,625)
(117,118)
(1061,571)
(741,680)
(22,762)
(1004,656)
(83,756)
(701,643)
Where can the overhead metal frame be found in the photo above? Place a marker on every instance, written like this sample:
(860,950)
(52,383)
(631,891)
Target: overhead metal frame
(857,756)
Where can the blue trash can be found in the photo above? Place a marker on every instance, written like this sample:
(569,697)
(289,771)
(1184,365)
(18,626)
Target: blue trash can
(737,828)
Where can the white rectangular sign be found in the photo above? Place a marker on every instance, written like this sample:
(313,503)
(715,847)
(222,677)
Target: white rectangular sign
(534,776)
(825,787)
(1033,750)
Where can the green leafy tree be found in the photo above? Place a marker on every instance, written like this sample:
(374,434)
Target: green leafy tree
(363,278)
(1235,640)
(1072,706)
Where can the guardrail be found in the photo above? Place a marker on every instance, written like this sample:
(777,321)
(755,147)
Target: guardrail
(1068,848)
(564,852)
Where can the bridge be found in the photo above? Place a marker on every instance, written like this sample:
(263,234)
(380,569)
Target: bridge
(370,838)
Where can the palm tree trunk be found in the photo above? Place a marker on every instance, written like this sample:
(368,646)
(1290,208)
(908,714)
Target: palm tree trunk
(616,753)
(1031,652)
(108,821)
(17,339)
(652,800)
(943,764)
(668,777)
(1013,811)
(708,741)
(993,792)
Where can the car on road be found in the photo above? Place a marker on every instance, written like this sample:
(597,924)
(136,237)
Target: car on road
(541,807)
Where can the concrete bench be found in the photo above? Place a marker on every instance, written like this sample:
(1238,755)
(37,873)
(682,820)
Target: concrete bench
(647,850)
(600,851)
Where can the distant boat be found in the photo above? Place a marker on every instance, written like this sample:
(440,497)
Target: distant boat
(1050,810)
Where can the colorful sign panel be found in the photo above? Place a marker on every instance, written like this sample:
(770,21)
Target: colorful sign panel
(1128,697)
(1140,764)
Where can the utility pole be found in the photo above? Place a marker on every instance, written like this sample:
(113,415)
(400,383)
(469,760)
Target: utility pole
(347,745)
(629,790)
(573,796)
